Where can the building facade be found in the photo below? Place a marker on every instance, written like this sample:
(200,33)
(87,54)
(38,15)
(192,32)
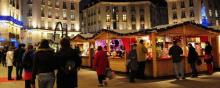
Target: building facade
(10,21)
(184,10)
(119,15)
(213,11)
(41,16)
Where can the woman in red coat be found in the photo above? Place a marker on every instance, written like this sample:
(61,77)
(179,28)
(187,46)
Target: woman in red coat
(101,64)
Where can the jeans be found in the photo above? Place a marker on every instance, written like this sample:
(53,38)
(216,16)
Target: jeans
(19,70)
(46,80)
(194,70)
(132,75)
(10,68)
(178,69)
(209,68)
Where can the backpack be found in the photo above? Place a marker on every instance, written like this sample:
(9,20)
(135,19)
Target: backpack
(70,67)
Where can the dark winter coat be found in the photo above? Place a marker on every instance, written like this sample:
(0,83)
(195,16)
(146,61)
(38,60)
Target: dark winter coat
(28,60)
(175,51)
(18,55)
(44,62)
(208,49)
(132,60)
(192,55)
(63,56)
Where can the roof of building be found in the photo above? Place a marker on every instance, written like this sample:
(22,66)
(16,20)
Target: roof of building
(87,3)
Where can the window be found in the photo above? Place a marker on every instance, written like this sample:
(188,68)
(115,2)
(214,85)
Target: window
(217,22)
(216,13)
(72,6)
(124,17)
(108,18)
(117,18)
(115,9)
(142,18)
(30,12)
(64,14)
(17,4)
(57,3)
(107,8)
(133,18)
(210,13)
(142,10)
(191,4)
(182,3)
(49,25)
(13,4)
(108,26)
(174,15)
(133,9)
(42,24)
(174,6)
(42,12)
(49,3)
(192,14)
(142,26)
(124,9)
(30,23)
(29,2)
(57,15)
(49,13)
(73,27)
(64,5)
(183,15)
(43,2)
(72,17)
(133,26)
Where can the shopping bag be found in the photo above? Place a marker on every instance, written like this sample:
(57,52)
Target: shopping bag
(110,74)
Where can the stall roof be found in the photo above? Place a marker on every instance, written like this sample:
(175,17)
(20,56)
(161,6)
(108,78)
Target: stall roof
(158,29)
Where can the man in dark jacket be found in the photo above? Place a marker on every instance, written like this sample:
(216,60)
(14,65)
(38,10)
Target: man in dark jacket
(69,63)
(18,54)
(175,52)
(44,64)
(192,59)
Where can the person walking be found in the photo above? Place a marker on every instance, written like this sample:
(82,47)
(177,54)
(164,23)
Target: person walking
(27,63)
(175,52)
(44,64)
(208,58)
(132,63)
(4,51)
(9,61)
(101,64)
(141,58)
(18,54)
(193,58)
(69,63)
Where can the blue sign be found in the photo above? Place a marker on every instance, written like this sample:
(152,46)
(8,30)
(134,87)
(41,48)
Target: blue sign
(2,39)
(11,19)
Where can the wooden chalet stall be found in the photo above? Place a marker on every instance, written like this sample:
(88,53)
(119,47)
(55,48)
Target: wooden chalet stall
(184,33)
(118,44)
(84,43)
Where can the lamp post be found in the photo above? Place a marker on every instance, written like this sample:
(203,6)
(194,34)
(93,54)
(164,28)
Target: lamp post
(64,33)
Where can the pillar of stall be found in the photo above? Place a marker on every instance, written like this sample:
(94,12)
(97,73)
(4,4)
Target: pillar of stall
(154,54)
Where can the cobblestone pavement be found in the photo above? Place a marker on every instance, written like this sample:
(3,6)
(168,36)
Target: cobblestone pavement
(88,79)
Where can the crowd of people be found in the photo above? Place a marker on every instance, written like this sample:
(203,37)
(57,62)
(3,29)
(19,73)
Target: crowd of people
(43,61)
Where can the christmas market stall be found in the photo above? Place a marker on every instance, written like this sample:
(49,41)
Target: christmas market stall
(117,44)
(184,33)
(83,42)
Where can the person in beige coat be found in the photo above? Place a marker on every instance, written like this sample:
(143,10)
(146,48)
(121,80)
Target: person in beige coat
(141,58)
(9,61)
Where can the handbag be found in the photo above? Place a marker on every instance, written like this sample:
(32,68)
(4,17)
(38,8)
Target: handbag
(110,74)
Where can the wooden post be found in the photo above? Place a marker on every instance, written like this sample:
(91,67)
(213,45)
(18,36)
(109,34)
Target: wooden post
(184,45)
(154,54)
